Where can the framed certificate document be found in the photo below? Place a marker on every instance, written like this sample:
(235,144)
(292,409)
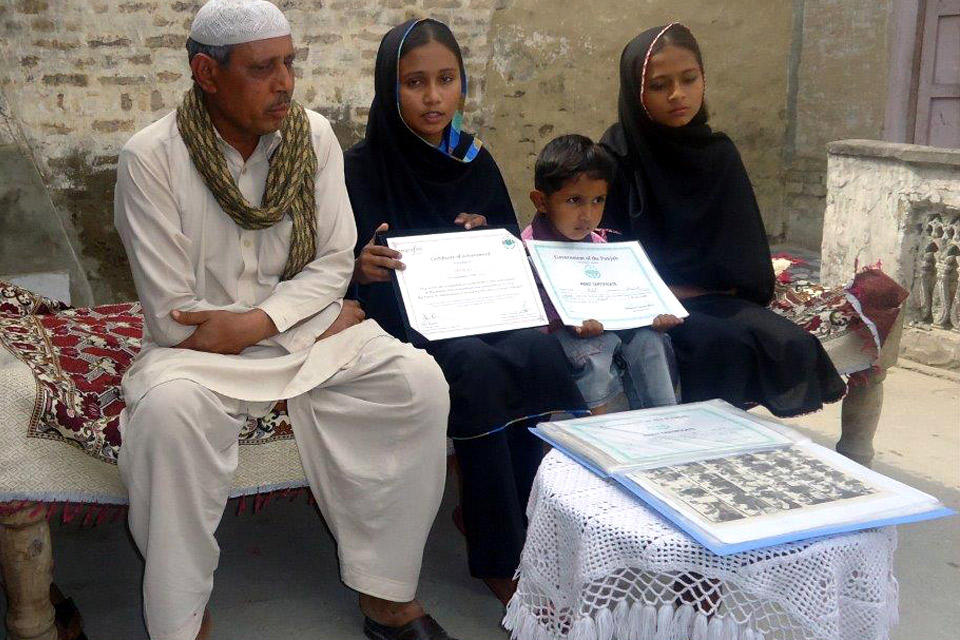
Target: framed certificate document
(614,283)
(466,283)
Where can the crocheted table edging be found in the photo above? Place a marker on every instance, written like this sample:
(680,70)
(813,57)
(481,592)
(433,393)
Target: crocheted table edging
(638,621)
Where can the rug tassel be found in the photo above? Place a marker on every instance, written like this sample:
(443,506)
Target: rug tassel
(528,627)
(621,619)
(511,617)
(683,621)
(700,624)
(635,622)
(605,624)
(69,511)
(584,629)
(648,623)
(731,630)
(715,629)
(665,617)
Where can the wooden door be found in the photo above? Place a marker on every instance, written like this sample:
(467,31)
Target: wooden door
(938,89)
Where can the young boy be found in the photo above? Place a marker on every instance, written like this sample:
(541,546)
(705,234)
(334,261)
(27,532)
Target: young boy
(571,177)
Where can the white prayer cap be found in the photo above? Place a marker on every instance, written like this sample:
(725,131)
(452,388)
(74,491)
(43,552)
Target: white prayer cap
(226,22)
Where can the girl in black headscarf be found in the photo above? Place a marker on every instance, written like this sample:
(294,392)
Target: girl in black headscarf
(683,192)
(416,169)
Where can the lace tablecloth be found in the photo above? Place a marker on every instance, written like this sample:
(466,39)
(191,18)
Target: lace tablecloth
(599,565)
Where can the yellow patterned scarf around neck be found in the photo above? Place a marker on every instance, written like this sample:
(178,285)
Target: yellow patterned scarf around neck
(290,179)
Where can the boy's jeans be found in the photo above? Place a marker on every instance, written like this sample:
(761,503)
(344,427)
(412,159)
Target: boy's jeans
(636,362)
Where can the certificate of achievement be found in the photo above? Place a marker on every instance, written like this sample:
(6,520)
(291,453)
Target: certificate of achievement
(466,283)
(614,283)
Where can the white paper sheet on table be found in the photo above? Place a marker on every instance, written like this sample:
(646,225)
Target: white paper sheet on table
(466,283)
(614,283)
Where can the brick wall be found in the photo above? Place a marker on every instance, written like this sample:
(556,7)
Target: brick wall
(78,77)
(81,76)
(805,199)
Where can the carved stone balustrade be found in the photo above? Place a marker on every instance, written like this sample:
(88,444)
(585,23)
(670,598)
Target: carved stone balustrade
(900,204)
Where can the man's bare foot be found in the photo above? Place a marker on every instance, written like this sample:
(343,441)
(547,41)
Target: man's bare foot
(389,613)
(206,627)
(503,588)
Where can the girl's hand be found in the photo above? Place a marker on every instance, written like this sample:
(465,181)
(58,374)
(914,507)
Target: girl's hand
(665,322)
(589,329)
(470,220)
(375,261)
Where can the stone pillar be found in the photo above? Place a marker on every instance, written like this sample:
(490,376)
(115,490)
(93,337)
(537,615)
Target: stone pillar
(899,204)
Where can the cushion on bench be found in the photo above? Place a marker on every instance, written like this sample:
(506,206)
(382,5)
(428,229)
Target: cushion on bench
(60,371)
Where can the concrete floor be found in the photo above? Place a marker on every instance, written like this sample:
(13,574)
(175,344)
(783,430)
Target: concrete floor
(278,574)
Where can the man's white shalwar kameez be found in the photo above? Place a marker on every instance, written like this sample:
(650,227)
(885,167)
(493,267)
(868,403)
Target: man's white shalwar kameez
(369,412)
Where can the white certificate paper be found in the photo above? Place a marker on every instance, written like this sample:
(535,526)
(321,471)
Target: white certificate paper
(467,283)
(614,283)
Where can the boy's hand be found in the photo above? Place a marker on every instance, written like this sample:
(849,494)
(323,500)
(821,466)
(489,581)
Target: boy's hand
(350,314)
(224,332)
(375,261)
(665,322)
(470,220)
(589,329)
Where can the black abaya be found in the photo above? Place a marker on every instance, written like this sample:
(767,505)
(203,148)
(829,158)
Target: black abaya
(685,195)
(495,380)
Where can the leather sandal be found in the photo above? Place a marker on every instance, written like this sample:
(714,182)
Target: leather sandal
(422,628)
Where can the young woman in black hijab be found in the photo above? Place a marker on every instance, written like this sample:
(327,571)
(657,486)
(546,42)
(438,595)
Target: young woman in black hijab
(416,169)
(683,192)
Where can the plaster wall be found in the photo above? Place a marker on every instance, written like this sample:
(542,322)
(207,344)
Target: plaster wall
(83,76)
(554,70)
(880,199)
(841,92)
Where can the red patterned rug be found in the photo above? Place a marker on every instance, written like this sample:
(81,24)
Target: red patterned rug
(78,357)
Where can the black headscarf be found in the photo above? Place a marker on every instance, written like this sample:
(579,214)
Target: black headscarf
(394,176)
(684,193)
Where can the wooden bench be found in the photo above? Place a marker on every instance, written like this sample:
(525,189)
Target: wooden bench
(59,401)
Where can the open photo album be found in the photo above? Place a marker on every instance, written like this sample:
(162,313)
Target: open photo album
(735,481)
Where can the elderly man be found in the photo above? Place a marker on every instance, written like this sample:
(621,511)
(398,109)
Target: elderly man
(235,218)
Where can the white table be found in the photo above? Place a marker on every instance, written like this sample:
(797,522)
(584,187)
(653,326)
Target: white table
(599,565)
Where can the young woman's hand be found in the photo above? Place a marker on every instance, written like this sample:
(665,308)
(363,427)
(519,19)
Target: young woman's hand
(665,322)
(470,220)
(375,261)
(589,329)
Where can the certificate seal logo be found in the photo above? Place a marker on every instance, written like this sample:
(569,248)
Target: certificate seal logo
(509,243)
(591,271)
